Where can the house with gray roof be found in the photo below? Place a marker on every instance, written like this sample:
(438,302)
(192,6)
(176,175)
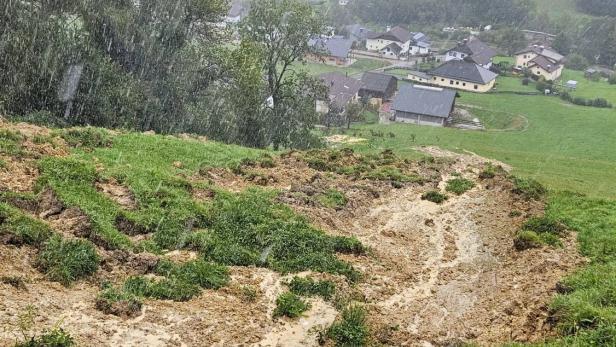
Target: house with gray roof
(393,43)
(541,61)
(464,75)
(423,105)
(342,90)
(474,50)
(333,51)
(420,44)
(378,86)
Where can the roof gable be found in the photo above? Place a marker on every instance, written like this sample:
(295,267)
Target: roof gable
(397,33)
(335,47)
(376,82)
(480,52)
(436,102)
(341,88)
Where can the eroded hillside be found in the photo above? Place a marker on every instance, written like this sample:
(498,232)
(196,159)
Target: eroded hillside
(139,239)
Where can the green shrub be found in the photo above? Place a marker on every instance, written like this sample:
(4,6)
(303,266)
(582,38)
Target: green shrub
(490,171)
(348,245)
(434,196)
(459,186)
(290,305)
(118,302)
(66,261)
(544,225)
(612,79)
(351,330)
(527,239)
(87,137)
(529,188)
(307,286)
(53,338)
(332,198)
(21,228)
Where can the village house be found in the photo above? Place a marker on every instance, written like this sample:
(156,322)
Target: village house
(423,105)
(541,61)
(418,77)
(474,50)
(342,90)
(378,87)
(332,51)
(463,75)
(398,43)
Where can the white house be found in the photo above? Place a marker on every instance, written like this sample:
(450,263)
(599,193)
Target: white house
(397,35)
(419,44)
(473,50)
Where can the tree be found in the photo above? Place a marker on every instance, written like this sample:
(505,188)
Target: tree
(352,113)
(282,29)
(576,62)
(562,44)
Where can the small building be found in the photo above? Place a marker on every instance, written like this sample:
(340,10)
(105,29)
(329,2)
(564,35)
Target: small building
(332,51)
(463,75)
(378,86)
(541,61)
(392,51)
(423,105)
(342,90)
(420,44)
(474,50)
(419,77)
(571,85)
(357,33)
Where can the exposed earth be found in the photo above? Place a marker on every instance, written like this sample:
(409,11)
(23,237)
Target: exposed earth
(436,274)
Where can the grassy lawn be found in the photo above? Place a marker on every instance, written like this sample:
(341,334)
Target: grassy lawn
(590,89)
(361,65)
(514,84)
(566,147)
(502,58)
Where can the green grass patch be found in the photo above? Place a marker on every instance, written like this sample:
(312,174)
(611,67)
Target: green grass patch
(115,301)
(66,261)
(10,142)
(204,274)
(434,196)
(529,188)
(459,186)
(351,329)
(307,286)
(290,305)
(250,229)
(174,289)
(332,198)
(88,137)
(18,228)
(52,338)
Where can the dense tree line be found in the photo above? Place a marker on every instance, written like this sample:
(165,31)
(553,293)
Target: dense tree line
(597,7)
(447,12)
(160,65)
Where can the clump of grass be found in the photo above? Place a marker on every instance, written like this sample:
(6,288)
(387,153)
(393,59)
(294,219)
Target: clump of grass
(352,329)
(434,196)
(266,161)
(459,186)
(250,229)
(66,261)
(290,305)
(88,137)
(14,281)
(10,142)
(332,198)
(490,171)
(307,286)
(539,231)
(249,293)
(529,188)
(545,225)
(163,289)
(204,274)
(527,239)
(118,302)
(53,338)
(19,228)
(3,164)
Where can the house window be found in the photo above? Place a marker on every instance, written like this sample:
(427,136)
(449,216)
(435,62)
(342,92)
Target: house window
(442,80)
(434,78)
(451,82)
(464,84)
(457,83)
(476,87)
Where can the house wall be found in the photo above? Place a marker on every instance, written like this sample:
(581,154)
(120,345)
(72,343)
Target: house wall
(416,50)
(549,76)
(322,107)
(521,60)
(388,53)
(413,118)
(417,79)
(462,85)
(378,44)
(453,55)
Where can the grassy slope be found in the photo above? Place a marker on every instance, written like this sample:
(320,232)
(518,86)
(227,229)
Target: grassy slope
(565,147)
(361,65)
(590,89)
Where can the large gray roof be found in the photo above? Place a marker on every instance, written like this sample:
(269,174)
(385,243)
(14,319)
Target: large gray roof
(423,100)
(464,71)
(478,51)
(335,47)
(396,33)
(376,82)
(341,88)
(545,52)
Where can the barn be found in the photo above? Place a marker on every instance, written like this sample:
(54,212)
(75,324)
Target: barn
(423,105)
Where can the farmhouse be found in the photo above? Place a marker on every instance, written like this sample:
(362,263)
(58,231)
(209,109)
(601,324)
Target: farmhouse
(378,86)
(342,90)
(541,61)
(398,42)
(474,50)
(356,33)
(332,51)
(423,105)
(418,76)
(464,75)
